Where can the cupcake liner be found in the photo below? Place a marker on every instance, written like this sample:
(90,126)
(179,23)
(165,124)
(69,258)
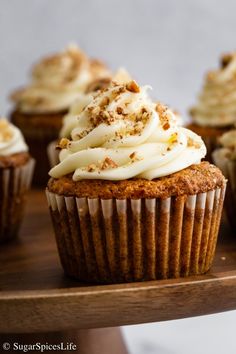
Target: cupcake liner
(228,167)
(53,153)
(14,184)
(112,241)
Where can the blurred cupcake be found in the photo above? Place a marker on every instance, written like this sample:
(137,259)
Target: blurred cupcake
(225,158)
(16,169)
(215,112)
(70,120)
(57,82)
(130,199)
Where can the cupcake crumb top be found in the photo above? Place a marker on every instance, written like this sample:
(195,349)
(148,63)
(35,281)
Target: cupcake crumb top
(195,179)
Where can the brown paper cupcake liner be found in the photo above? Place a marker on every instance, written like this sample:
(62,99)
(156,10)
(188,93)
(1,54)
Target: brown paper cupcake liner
(14,183)
(112,241)
(228,167)
(53,153)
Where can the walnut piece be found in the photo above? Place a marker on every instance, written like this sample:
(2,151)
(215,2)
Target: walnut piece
(132,86)
(63,143)
(108,163)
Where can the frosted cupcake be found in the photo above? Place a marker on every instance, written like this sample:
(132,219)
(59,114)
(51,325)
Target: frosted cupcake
(215,112)
(130,199)
(16,169)
(57,82)
(225,158)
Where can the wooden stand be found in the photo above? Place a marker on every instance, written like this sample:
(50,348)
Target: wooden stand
(35,296)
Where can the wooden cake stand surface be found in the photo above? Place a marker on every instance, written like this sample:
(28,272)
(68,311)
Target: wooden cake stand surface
(35,296)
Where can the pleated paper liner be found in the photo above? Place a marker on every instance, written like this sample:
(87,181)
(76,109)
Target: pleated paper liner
(228,167)
(14,183)
(112,241)
(53,153)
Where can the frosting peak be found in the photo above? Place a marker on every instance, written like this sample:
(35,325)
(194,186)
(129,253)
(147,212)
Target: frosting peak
(71,118)
(217,102)
(57,81)
(123,134)
(11,139)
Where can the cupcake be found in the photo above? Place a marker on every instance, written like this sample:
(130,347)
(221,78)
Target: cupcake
(225,158)
(130,199)
(215,112)
(57,82)
(70,119)
(16,169)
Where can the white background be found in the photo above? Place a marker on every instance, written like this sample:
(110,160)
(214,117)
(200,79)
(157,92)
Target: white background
(168,44)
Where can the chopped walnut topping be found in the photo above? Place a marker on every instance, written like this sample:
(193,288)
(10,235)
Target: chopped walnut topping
(108,163)
(6,132)
(92,167)
(163,115)
(119,110)
(166,126)
(192,143)
(134,157)
(63,143)
(132,86)
(225,60)
(95,110)
(144,110)
(102,117)
(83,133)
(104,102)
(160,108)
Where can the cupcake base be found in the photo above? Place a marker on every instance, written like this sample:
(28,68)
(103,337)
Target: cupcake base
(39,130)
(127,240)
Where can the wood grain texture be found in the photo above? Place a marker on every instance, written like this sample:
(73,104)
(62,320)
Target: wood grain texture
(36,296)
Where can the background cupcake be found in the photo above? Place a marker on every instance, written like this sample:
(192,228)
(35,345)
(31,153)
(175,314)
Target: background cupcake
(215,112)
(225,159)
(16,169)
(57,81)
(130,199)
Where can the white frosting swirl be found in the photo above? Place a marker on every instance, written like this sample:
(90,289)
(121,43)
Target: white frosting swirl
(11,139)
(217,102)
(122,134)
(58,80)
(70,120)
